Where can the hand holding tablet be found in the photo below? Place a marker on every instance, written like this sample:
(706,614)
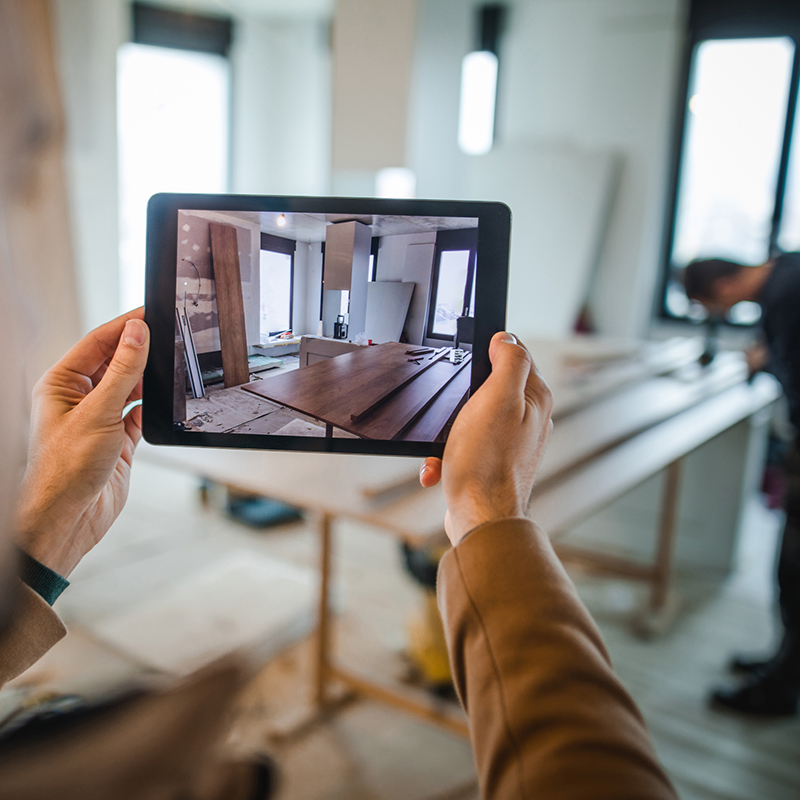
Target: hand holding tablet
(327,324)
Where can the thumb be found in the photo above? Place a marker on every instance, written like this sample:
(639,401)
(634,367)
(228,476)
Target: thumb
(511,364)
(124,372)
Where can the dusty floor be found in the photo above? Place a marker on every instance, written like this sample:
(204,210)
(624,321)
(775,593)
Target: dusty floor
(234,410)
(165,537)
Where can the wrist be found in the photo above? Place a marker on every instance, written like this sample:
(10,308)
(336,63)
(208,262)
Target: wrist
(466,518)
(47,583)
(49,537)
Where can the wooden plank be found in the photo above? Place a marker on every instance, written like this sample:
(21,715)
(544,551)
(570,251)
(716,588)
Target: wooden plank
(577,392)
(580,436)
(581,492)
(429,426)
(391,417)
(426,362)
(230,304)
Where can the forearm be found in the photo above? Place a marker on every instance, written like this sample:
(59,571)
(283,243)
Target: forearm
(547,715)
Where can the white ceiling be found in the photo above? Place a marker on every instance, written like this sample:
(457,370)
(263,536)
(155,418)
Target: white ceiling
(311,227)
(252,8)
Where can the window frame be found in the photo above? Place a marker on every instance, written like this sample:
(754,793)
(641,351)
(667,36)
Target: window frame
(278,244)
(458,239)
(373,251)
(180,30)
(715,20)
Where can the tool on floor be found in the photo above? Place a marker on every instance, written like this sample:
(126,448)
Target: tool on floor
(190,353)
(427,648)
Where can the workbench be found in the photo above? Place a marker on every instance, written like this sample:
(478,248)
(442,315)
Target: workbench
(615,426)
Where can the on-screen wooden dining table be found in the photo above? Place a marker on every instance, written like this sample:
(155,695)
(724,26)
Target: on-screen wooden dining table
(378,392)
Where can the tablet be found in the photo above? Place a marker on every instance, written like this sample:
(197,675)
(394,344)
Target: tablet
(319,323)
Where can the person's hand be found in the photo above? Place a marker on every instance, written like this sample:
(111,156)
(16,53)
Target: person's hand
(81,448)
(496,444)
(757,357)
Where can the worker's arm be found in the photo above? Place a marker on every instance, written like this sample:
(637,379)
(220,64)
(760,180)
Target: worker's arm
(785,322)
(547,715)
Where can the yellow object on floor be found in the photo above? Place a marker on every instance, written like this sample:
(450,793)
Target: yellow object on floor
(427,649)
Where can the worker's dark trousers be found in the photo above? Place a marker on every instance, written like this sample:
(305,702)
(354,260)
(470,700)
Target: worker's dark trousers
(788,660)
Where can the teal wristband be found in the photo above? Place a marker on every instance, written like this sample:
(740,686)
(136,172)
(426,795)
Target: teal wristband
(46,583)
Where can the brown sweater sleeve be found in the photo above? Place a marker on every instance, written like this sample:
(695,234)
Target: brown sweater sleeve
(34,629)
(548,718)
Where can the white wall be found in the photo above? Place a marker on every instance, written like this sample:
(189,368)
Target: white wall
(281,107)
(280,120)
(598,74)
(373,46)
(87,36)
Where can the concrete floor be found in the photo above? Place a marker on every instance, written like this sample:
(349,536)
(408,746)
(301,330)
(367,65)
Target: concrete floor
(165,537)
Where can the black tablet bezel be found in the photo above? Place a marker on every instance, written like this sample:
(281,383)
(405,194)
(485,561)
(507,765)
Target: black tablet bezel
(494,229)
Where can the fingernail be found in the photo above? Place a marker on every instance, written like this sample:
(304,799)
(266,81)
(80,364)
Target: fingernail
(509,338)
(134,333)
(423,470)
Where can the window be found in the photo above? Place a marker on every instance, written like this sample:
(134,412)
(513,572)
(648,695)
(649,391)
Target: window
(372,274)
(276,280)
(452,293)
(735,190)
(172,118)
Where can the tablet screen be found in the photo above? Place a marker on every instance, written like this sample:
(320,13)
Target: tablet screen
(349,328)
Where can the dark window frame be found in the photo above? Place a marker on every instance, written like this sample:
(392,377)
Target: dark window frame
(277,244)
(459,239)
(713,20)
(179,30)
(373,251)
(322,280)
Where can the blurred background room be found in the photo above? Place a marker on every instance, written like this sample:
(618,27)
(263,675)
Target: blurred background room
(629,137)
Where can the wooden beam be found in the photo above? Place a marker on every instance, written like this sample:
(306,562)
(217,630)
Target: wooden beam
(322,660)
(437,713)
(605,563)
(36,246)
(666,535)
(230,304)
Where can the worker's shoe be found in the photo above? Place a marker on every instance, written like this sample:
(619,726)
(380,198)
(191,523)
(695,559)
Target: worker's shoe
(760,696)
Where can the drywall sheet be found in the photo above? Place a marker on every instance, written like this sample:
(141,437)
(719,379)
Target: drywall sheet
(387,307)
(559,198)
(230,305)
(418,268)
